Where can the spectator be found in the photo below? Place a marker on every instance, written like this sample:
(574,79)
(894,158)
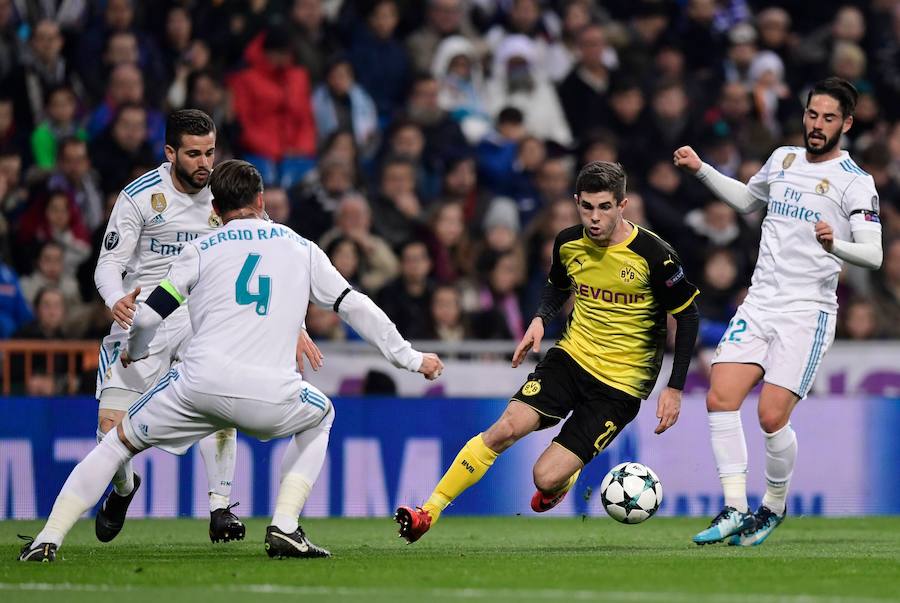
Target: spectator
(277,205)
(444,18)
(49,272)
(56,218)
(443,137)
(75,176)
(122,147)
(458,71)
(49,319)
(886,290)
(396,209)
(721,282)
(500,314)
(14,312)
(584,93)
(314,200)
(313,39)
(518,81)
(353,221)
(407,299)
(272,106)
(341,104)
(379,60)
(60,122)
(347,258)
(460,185)
(859,321)
(447,321)
(449,243)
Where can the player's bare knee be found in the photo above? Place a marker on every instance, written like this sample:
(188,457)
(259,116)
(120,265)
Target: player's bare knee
(548,479)
(716,401)
(501,435)
(772,419)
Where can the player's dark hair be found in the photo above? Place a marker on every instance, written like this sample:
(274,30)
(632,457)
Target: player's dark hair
(234,184)
(193,122)
(599,177)
(840,90)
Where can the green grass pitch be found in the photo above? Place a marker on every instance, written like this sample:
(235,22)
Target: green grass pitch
(516,559)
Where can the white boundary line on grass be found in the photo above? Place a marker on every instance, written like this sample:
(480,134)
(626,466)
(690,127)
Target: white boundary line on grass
(452,593)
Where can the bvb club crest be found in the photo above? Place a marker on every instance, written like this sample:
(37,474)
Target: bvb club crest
(823,186)
(531,388)
(158,202)
(788,160)
(214,220)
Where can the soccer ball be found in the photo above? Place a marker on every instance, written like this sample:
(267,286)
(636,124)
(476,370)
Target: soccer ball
(631,493)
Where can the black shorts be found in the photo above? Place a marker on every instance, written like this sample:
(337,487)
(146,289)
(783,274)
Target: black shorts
(600,412)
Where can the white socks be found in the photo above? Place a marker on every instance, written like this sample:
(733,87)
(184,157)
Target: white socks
(730,451)
(123,480)
(300,469)
(218,451)
(781,455)
(83,488)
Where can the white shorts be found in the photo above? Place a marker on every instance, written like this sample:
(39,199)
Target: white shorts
(173,334)
(172,417)
(789,346)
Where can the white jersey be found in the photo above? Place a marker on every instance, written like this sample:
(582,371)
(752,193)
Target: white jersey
(793,271)
(150,224)
(250,284)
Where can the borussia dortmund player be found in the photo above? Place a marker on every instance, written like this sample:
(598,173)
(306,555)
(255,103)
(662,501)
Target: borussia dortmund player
(625,279)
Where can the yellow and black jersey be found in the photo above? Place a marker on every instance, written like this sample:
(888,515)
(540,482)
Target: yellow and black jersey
(622,294)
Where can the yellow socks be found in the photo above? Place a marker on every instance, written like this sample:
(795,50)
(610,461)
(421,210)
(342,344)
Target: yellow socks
(470,465)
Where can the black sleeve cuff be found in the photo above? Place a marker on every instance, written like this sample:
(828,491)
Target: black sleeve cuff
(552,301)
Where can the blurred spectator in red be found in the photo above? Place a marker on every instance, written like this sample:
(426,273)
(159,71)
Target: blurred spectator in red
(56,218)
(272,105)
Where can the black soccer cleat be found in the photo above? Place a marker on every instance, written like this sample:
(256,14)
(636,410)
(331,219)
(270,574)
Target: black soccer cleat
(225,526)
(280,545)
(111,516)
(44,552)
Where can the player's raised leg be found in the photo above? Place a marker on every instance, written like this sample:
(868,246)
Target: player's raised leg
(469,466)
(730,383)
(775,407)
(555,472)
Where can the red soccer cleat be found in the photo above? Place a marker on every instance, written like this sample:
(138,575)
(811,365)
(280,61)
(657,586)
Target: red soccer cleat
(413,522)
(541,502)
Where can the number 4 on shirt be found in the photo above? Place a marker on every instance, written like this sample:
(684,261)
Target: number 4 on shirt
(242,294)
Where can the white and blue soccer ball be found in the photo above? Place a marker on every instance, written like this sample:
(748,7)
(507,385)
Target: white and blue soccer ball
(631,493)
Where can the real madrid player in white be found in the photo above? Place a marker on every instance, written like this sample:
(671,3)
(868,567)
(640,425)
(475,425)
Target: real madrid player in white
(249,285)
(821,210)
(153,219)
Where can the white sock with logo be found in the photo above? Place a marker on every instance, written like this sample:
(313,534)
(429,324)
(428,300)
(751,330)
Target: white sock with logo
(781,455)
(300,468)
(219,450)
(726,432)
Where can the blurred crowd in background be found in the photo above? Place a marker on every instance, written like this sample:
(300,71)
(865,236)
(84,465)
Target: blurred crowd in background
(430,146)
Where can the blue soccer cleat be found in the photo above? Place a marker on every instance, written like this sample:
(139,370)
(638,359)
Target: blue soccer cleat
(766,521)
(728,522)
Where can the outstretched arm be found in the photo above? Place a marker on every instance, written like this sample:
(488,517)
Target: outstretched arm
(734,193)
